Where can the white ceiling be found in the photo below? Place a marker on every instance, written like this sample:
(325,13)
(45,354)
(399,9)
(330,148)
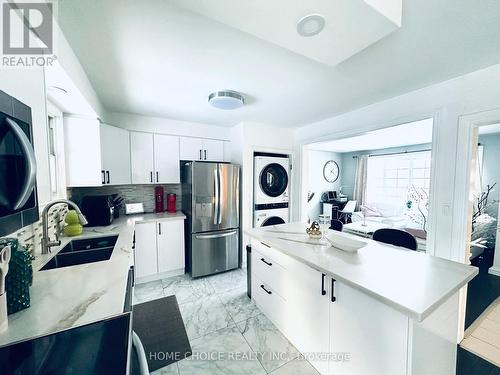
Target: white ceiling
(350,25)
(489,129)
(413,133)
(155,58)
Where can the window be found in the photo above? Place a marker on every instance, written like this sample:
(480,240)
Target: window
(55,149)
(390,177)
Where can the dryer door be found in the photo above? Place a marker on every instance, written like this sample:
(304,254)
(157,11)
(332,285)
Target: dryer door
(273,180)
(272,220)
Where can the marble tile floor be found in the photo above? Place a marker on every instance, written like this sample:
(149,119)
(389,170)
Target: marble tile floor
(226,330)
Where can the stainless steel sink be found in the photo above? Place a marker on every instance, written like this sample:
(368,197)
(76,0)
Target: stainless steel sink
(88,250)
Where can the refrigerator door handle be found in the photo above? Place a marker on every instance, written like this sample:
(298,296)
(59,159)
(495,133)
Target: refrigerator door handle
(218,235)
(216,197)
(220,196)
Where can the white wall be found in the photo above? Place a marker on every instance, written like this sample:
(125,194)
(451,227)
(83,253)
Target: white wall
(445,102)
(246,138)
(166,126)
(317,182)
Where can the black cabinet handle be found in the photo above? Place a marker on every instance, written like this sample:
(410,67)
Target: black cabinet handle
(268,263)
(103,177)
(205,154)
(151,176)
(265,245)
(333,290)
(107,174)
(157,179)
(159,228)
(323,291)
(200,156)
(267,291)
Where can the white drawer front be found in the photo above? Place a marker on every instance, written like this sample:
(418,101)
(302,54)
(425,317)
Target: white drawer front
(270,303)
(277,256)
(270,272)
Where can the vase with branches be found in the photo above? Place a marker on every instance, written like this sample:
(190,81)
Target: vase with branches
(418,206)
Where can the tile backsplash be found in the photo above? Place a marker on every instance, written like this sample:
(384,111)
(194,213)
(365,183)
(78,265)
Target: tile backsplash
(31,235)
(130,193)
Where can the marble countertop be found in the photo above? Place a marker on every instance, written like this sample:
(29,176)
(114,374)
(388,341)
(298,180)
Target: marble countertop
(409,281)
(72,296)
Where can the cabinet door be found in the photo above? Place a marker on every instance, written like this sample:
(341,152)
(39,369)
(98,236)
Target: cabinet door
(82,151)
(167,167)
(170,245)
(213,150)
(115,151)
(145,254)
(308,305)
(191,148)
(373,334)
(141,157)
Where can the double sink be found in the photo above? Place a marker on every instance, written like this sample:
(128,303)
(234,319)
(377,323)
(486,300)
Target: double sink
(88,250)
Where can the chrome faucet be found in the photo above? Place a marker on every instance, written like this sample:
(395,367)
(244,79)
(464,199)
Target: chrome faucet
(46,242)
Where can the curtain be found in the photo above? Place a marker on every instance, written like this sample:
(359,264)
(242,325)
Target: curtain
(361,180)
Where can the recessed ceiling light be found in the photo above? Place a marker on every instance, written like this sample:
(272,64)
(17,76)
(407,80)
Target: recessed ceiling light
(311,25)
(226,99)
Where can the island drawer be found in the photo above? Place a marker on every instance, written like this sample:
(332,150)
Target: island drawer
(270,272)
(270,303)
(277,256)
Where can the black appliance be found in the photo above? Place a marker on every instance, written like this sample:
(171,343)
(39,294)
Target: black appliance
(18,196)
(98,209)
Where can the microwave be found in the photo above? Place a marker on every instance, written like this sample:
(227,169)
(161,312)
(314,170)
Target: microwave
(18,194)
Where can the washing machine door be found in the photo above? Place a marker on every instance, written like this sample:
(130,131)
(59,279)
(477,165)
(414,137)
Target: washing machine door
(273,180)
(272,220)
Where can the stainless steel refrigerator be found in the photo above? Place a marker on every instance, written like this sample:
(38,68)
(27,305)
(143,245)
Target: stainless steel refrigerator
(210,200)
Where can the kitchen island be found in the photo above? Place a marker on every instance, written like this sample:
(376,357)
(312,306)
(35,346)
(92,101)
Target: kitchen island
(383,310)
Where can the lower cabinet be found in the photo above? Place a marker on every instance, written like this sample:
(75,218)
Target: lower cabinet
(340,329)
(159,249)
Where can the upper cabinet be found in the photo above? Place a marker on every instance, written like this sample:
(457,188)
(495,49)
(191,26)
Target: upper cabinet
(115,155)
(83,151)
(166,159)
(154,158)
(141,157)
(201,149)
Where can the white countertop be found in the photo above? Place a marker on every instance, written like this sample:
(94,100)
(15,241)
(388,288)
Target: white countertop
(72,296)
(411,282)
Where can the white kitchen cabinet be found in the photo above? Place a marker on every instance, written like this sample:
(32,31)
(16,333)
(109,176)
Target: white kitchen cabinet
(191,148)
(166,159)
(141,157)
(115,155)
(82,146)
(308,306)
(170,243)
(374,335)
(145,253)
(213,150)
(159,249)
(201,149)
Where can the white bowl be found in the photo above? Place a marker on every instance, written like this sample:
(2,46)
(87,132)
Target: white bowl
(345,243)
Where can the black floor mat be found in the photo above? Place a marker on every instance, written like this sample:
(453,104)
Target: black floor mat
(161,329)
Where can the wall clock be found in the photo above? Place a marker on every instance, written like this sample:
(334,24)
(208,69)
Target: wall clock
(331,171)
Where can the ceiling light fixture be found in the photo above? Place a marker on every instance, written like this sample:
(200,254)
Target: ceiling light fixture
(311,25)
(226,99)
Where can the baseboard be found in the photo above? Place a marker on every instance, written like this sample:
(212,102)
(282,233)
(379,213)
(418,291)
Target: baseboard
(495,270)
(159,276)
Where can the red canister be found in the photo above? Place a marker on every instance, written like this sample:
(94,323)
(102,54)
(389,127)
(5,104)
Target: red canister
(171,199)
(159,193)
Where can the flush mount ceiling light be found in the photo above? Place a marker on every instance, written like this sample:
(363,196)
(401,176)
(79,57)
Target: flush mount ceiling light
(226,99)
(311,25)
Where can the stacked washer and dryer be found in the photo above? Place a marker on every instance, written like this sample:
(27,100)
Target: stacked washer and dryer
(271,189)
